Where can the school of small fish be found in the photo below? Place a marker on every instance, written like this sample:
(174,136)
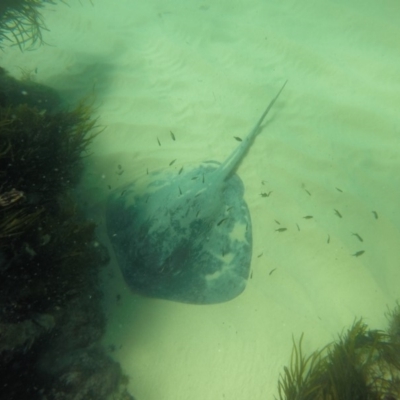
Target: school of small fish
(308,217)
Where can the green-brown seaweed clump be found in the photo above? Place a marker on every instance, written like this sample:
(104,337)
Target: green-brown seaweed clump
(362,364)
(21,22)
(393,317)
(42,234)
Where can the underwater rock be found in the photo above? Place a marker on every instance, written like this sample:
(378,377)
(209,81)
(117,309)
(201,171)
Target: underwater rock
(21,336)
(14,92)
(84,374)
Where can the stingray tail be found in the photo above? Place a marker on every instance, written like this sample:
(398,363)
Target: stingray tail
(231,163)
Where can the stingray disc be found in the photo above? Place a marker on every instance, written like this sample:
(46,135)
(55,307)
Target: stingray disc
(166,248)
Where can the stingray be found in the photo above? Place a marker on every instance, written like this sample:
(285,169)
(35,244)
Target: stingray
(185,236)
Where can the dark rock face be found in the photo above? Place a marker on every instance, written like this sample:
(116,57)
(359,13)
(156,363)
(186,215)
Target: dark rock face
(87,374)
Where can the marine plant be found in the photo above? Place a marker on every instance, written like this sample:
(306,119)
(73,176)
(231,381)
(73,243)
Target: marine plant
(393,317)
(41,152)
(300,379)
(21,22)
(361,364)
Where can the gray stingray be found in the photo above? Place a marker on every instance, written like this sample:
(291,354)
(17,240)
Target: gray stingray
(185,236)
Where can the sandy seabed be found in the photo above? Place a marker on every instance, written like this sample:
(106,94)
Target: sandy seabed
(206,70)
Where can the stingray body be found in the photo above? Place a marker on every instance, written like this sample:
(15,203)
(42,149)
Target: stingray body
(185,236)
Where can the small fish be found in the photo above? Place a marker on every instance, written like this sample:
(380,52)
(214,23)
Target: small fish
(338,213)
(375,214)
(276,221)
(281,230)
(264,182)
(180,171)
(180,191)
(229,208)
(358,237)
(172,135)
(272,271)
(238,138)
(339,190)
(307,192)
(194,178)
(197,214)
(222,220)
(203,178)
(119,166)
(123,192)
(265,194)
(329,239)
(251,275)
(120,172)
(358,253)
(172,162)
(298,228)
(260,255)
(308,217)
(147,171)
(147,199)
(158,140)
(109,187)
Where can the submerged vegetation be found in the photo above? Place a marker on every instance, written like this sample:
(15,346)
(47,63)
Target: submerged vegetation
(361,364)
(21,22)
(41,159)
(394,322)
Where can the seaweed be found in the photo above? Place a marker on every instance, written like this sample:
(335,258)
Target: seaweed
(361,364)
(393,317)
(41,152)
(301,379)
(21,22)
(43,237)
(349,363)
